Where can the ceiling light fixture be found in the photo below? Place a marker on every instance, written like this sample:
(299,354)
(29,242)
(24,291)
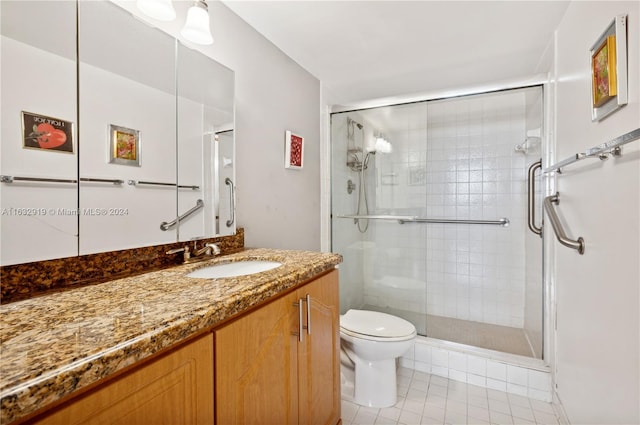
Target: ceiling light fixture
(197,26)
(161,10)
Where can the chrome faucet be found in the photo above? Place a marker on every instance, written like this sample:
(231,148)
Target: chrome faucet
(209,250)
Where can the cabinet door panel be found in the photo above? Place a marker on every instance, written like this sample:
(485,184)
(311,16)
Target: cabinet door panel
(256,367)
(319,354)
(175,389)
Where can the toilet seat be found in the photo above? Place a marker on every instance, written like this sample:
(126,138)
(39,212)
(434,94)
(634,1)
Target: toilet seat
(376,326)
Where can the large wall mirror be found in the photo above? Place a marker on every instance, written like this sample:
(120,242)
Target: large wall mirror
(149,126)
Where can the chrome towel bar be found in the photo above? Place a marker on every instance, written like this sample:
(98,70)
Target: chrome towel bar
(91,180)
(602,151)
(166,226)
(402,219)
(11,179)
(179,186)
(557,226)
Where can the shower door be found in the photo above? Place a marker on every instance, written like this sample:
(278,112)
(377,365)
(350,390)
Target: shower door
(421,194)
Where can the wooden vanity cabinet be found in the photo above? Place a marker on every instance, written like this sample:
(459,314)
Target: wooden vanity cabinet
(266,373)
(176,388)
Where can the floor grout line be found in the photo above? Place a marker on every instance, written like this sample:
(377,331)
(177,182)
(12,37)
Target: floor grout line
(455,398)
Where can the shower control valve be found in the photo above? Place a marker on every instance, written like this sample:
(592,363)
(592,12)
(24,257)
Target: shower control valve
(351,186)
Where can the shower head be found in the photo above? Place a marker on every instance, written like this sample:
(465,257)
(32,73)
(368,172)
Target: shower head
(354,122)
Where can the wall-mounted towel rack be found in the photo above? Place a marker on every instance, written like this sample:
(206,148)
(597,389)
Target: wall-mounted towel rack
(602,151)
(168,225)
(179,186)
(92,180)
(11,179)
(557,226)
(402,219)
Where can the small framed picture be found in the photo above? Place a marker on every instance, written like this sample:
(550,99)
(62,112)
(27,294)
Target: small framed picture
(124,146)
(294,151)
(603,71)
(46,133)
(609,70)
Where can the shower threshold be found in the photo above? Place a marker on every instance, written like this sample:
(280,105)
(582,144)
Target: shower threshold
(483,335)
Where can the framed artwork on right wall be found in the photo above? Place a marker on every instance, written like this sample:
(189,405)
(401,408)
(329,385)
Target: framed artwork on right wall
(609,70)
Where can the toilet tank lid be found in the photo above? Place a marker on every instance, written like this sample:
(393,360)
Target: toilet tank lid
(375,324)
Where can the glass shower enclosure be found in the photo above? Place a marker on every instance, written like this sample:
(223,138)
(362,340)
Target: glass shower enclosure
(429,210)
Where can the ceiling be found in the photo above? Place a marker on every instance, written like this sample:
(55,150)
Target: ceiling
(369,50)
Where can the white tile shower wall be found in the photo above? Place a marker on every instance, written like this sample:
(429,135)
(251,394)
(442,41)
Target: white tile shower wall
(529,378)
(455,161)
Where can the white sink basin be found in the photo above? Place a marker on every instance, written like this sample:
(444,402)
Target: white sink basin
(239,268)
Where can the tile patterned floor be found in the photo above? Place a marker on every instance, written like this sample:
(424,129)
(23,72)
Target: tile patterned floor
(430,399)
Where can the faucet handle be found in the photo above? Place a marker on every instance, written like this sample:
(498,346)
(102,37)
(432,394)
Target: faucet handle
(216,248)
(184,249)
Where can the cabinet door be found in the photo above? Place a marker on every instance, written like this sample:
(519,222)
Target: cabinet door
(319,353)
(256,367)
(175,389)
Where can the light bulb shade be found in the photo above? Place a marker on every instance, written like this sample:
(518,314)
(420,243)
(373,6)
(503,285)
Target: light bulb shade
(382,145)
(161,10)
(196,27)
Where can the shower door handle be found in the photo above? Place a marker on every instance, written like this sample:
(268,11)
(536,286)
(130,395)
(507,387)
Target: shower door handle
(531,211)
(232,203)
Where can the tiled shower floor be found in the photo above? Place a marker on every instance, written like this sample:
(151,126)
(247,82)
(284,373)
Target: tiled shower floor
(483,335)
(430,399)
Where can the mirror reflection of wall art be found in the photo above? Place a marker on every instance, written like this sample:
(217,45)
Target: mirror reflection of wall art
(46,133)
(294,151)
(609,70)
(124,146)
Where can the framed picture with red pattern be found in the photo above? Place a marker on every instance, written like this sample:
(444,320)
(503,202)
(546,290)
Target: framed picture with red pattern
(293,151)
(46,133)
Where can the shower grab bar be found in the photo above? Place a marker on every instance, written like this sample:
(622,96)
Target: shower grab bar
(402,219)
(232,201)
(557,226)
(11,179)
(531,211)
(139,182)
(602,151)
(166,226)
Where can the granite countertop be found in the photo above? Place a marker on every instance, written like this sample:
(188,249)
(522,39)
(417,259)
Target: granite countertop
(56,344)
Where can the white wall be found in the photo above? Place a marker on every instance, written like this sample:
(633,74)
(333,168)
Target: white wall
(136,211)
(598,327)
(38,220)
(279,208)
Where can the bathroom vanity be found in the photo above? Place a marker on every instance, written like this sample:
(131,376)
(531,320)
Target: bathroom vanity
(166,348)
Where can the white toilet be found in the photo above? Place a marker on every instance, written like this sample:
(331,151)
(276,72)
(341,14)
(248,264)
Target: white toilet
(370,343)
